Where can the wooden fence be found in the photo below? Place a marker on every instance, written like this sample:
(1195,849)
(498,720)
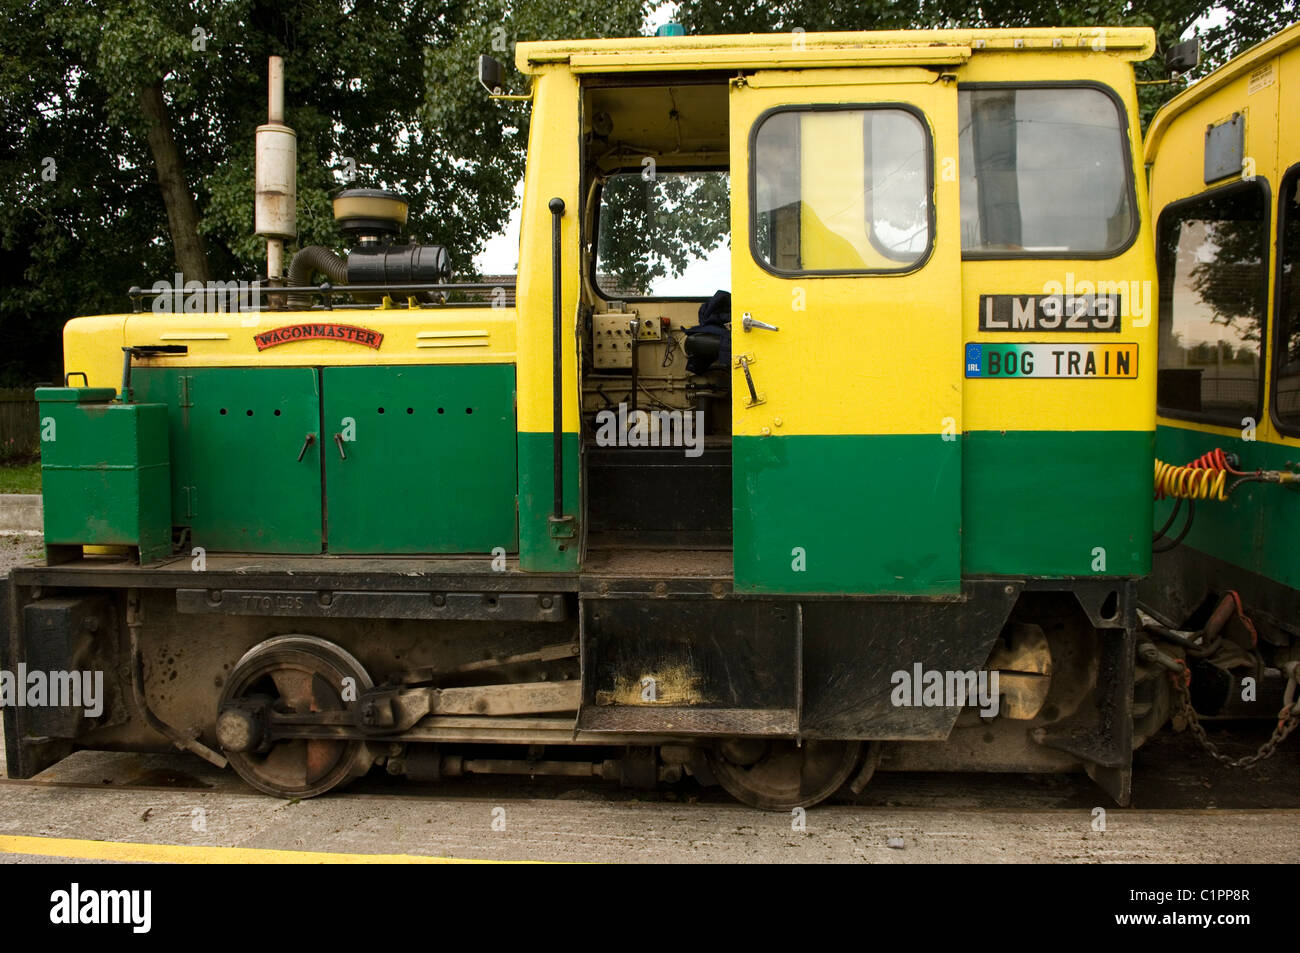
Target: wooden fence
(19,427)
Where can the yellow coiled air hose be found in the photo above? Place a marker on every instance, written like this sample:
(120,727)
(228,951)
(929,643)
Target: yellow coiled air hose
(1203,479)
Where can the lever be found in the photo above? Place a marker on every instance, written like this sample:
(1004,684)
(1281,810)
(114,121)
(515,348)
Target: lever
(311,438)
(749,380)
(338,442)
(748,323)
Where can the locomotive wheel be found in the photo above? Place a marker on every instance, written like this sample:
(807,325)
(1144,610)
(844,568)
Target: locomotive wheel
(781,775)
(298,673)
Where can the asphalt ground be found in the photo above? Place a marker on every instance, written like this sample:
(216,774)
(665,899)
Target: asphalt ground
(174,807)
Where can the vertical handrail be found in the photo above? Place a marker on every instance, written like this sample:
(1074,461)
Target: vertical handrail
(556,205)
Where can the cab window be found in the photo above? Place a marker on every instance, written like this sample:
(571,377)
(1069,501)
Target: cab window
(1045,172)
(1213,268)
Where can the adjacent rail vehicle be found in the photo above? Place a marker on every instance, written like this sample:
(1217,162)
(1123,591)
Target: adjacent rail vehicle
(1225,191)
(884,504)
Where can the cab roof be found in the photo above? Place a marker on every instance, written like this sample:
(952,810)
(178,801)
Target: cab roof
(804,50)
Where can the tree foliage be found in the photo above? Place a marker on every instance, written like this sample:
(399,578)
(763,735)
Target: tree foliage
(1243,24)
(380,93)
(652,226)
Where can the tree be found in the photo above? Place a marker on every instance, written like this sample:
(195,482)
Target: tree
(79,210)
(147,109)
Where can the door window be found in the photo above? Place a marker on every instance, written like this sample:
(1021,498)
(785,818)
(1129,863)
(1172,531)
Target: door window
(841,190)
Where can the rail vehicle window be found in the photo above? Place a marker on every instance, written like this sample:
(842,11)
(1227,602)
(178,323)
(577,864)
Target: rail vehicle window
(1045,172)
(841,190)
(1286,357)
(664,234)
(1213,267)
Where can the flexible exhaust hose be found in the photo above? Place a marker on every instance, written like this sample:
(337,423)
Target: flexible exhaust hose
(307,262)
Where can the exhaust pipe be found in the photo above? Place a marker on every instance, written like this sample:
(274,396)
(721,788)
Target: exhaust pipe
(275,211)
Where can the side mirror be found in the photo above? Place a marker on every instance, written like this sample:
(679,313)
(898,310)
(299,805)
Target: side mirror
(1184,56)
(492,75)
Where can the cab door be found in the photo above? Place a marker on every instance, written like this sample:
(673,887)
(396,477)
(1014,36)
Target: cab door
(846,332)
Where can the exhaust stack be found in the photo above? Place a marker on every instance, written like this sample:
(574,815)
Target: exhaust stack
(275,211)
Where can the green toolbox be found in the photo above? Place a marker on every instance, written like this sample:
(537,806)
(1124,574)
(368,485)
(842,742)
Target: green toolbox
(105,473)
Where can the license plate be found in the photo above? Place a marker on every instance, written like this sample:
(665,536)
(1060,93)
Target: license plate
(1115,361)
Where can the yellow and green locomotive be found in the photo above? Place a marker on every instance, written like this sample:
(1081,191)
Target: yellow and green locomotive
(856,475)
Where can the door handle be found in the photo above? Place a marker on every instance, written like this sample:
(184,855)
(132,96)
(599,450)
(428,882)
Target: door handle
(748,323)
(311,438)
(338,442)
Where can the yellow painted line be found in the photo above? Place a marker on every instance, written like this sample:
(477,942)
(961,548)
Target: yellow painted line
(452,334)
(128,852)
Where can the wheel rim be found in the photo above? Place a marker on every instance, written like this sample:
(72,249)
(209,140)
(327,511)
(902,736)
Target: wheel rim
(298,673)
(784,775)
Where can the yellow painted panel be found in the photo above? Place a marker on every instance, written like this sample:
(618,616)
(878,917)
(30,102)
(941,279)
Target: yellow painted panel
(93,346)
(827,49)
(788,57)
(1288,83)
(223,339)
(1179,167)
(1108,67)
(1055,404)
(554,133)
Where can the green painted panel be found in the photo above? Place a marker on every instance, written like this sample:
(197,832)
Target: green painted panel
(1041,503)
(105,475)
(539,551)
(871,514)
(1258,526)
(236,437)
(170,386)
(430,464)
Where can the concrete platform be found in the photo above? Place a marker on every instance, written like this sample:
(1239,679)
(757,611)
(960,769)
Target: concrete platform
(21,513)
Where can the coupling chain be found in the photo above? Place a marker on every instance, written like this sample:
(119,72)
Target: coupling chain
(1287,720)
